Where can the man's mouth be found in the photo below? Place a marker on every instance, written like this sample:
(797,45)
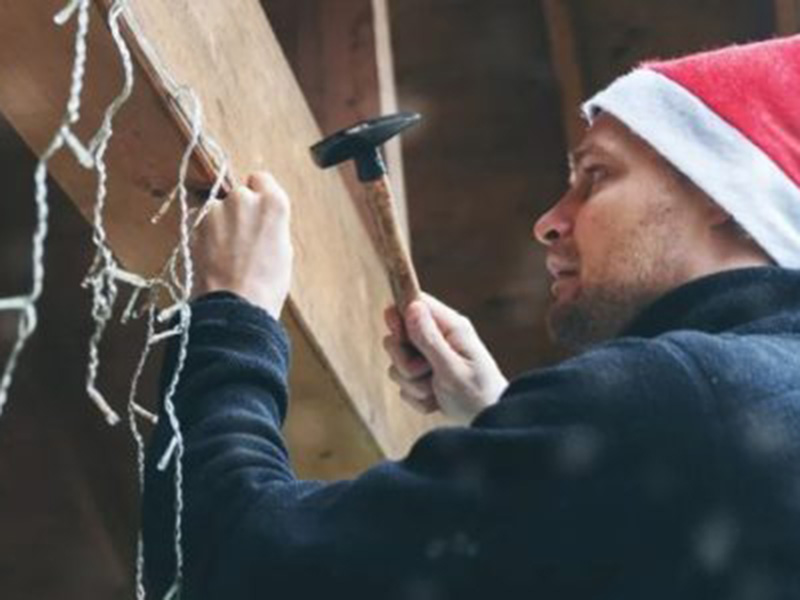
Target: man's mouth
(564,276)
(562,281)
(563,271)
(559,268)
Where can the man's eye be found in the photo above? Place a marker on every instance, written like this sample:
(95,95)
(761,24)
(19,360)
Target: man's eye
(594,175)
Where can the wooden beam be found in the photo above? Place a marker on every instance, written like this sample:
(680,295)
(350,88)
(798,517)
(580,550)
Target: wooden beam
(564,56)
(341,54)
(226,51)
(6,136)
(787,17)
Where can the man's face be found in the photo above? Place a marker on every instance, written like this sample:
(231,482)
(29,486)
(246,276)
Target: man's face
(628,229)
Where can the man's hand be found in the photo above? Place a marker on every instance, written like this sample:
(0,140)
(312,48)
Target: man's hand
(244,245)
(440,362)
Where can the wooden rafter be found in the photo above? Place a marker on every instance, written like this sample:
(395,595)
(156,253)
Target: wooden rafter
(787,17)
(226,51)
(564,56)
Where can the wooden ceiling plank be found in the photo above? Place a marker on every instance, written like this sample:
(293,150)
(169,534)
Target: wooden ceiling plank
(566,64)
(787,17)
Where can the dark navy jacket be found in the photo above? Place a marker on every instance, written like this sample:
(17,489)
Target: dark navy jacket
(662,464)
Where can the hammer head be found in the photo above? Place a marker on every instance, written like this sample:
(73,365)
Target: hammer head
(361,141)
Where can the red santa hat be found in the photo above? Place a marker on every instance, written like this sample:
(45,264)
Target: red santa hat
(730,121)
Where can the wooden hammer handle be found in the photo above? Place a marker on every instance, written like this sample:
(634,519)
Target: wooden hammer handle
(392,248)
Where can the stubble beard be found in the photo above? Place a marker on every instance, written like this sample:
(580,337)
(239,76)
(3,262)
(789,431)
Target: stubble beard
(647,265)
(595,315)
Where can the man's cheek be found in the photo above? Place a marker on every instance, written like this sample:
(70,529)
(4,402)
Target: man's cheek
(597,227)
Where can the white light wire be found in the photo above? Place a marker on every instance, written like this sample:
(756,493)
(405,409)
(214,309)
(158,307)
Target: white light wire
(102,278)
(106,273)
(26,305)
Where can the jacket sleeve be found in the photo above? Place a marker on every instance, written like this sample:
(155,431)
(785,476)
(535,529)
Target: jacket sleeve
(549,491)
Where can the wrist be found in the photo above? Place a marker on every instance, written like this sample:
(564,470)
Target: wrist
(265,299)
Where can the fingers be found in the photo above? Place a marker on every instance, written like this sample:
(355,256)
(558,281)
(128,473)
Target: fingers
(212,206)
(266,186)
(419,389)
(245,244)
(408,362)
(263,182)
(262,194)
(260,185)
(448,319)
(410,370)
(394,321)
(426,407)
(407,359)
(418,393)
(242,193)
(440,310)
(428,338)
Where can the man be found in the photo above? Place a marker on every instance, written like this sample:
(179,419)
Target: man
(663,461)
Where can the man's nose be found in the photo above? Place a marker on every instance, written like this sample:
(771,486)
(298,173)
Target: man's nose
(552,225)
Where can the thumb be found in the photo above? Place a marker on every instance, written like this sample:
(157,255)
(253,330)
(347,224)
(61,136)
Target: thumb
(426,336)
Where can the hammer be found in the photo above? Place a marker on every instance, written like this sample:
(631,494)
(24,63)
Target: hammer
(362,143)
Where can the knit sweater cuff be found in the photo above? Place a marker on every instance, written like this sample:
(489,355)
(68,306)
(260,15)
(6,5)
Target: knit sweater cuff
(227,322)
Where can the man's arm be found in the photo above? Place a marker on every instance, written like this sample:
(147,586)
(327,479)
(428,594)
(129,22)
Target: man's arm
(547,493)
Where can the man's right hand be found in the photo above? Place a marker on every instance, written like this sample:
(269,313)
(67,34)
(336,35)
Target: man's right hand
(439,361)
(244,245)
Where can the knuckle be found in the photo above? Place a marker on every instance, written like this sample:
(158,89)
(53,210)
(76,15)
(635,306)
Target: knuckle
(260,177)
(262,181)
(249,201)
(265,189)
(463,323)
(413,321)
(240,194)
(279,207)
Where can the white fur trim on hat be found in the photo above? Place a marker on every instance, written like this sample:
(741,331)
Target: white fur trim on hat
(716,156)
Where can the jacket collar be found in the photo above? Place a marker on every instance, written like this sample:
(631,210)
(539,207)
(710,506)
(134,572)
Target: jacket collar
(730,300)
